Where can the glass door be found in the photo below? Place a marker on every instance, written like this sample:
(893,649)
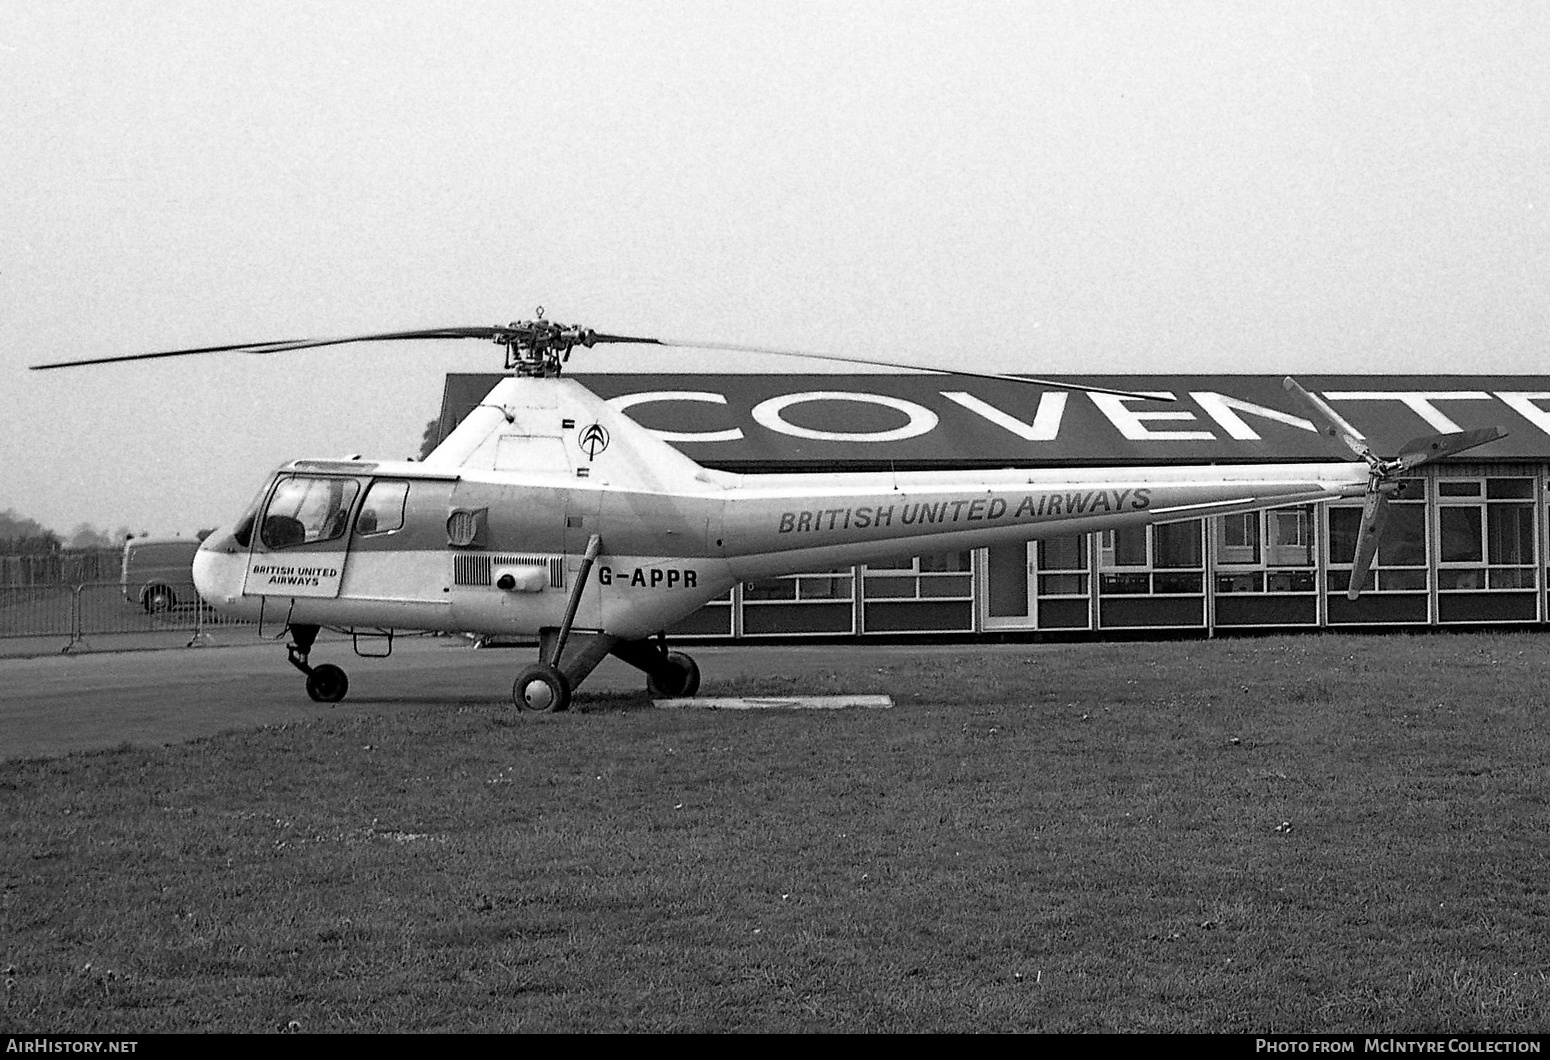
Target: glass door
(1038,584)
(1009,582)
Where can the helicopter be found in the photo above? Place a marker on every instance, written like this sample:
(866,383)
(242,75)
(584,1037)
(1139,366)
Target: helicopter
(549,514)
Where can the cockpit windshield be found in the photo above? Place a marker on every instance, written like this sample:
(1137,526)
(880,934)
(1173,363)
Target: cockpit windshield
(304,510)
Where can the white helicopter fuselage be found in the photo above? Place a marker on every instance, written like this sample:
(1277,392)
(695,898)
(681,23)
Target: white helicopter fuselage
(545,485)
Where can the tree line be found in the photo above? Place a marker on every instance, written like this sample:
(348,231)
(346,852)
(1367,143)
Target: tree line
(21,536)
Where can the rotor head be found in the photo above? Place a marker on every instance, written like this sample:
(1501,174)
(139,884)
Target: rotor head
(539,347)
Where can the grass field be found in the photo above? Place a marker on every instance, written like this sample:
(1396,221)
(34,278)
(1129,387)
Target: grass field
(1321,833)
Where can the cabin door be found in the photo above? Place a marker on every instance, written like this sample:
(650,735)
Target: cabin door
(302,538)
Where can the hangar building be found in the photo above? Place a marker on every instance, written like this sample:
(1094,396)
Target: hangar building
(1466,544)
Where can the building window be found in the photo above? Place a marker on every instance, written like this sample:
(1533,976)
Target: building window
(810,602)
(714,619)
(934,576)
(829,585)
(1157,560)
(1063,566)
(1485,534)
(1265,552)
(1237,538)
(1400,564)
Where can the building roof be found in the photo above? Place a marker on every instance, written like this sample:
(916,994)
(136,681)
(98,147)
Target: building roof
(865,421)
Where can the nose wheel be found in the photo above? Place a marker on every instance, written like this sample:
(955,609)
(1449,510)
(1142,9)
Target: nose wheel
(326,683)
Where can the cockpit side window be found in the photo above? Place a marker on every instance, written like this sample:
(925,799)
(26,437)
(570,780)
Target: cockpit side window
(305,510)
(383,510)
(243,531)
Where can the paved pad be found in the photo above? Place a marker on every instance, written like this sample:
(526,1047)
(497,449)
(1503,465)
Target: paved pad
(778,702)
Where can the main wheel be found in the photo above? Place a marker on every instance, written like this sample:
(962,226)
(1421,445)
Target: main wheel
(541,689)
(678,678)
(327,684)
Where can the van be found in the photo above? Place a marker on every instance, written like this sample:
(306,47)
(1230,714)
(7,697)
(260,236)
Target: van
(158,572)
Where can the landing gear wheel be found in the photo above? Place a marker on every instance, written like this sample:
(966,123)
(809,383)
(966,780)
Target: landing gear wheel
(327,683)
(678,677)
(541,689)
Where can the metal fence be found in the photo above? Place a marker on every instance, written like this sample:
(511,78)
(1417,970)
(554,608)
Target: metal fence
(89,610)
(63,568)
(37,610)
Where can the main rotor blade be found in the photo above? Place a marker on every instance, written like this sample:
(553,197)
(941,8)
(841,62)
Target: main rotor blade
(1053,384)
(585,338)
(282,345)
(1335,425)
(1375,515)
(1431,447)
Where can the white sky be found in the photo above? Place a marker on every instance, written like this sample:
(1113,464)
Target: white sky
(1042,187)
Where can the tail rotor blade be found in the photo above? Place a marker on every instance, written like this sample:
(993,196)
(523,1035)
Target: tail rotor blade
(1423,450)
(1375,514)
(1335,425)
